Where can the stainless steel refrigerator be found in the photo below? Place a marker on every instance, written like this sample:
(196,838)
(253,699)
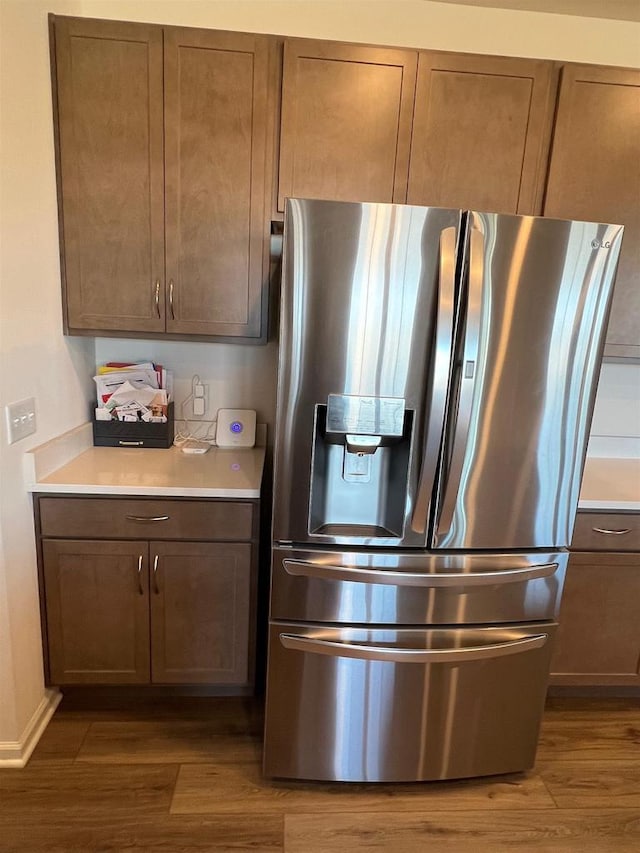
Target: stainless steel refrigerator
(437,376)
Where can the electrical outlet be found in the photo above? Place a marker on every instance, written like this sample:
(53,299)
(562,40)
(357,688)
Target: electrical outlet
(199,401)
(21,419)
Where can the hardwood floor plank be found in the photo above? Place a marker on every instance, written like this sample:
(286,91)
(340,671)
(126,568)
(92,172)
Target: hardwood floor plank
(593,784)
(61,740)
(44,789)
(605,706)
(236,789)
(167,741)
(589,737)
(547,831)
(144,834)
(228,714)
(184,776)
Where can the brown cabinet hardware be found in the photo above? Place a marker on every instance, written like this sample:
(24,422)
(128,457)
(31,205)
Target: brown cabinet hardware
(140,587)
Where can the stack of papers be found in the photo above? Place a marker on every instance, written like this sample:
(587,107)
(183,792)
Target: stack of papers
(133,391)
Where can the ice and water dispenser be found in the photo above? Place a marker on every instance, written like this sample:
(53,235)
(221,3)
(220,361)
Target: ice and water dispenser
(360,466)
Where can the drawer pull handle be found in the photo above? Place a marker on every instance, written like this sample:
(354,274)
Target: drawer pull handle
(443,579)
(140,587)
(362,651)
(147,518)
(130,443)
(156,588)
(618,532)
(157,299)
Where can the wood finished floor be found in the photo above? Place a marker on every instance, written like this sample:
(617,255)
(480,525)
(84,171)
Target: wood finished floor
(184,775)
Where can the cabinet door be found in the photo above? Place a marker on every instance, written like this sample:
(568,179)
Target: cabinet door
(594,174)
(598,641)
(97,611)
(480,132)
(201,597)
(217,146)
(346,121)
(110,174)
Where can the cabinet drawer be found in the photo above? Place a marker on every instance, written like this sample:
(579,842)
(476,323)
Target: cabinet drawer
(120,518)
(606,531)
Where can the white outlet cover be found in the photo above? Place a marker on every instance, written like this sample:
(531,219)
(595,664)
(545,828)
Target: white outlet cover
(21,419)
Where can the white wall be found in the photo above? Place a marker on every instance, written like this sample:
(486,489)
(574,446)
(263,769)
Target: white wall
(615,430)
(38,361)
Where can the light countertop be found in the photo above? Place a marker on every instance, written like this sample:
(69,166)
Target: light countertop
(610,484)
(70,464)
(138,471)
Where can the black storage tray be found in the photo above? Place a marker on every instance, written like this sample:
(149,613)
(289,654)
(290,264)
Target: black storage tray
(132,434)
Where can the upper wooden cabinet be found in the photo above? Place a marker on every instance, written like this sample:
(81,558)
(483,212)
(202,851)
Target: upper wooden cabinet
(110,176)
(594,174)
(346,121)
(216,190)
(166,160)
(480,132)
(164,144)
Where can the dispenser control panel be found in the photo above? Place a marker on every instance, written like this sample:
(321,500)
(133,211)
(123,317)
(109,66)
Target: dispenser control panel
(347,413)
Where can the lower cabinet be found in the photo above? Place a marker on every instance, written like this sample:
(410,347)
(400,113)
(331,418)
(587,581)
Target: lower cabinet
(96,597)
(598,641)
(147,611)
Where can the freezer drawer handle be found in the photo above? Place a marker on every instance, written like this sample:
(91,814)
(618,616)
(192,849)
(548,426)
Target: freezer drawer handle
(617,532)
(400,655)
(348,573)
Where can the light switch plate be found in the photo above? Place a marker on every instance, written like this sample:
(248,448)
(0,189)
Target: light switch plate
(21,419)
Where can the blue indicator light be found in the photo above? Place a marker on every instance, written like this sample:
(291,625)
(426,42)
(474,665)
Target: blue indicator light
(236,427)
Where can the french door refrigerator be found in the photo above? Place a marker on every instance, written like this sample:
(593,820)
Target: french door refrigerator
(436,383)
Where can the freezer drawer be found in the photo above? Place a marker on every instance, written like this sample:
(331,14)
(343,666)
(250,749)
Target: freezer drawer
(402,588)
(404,704)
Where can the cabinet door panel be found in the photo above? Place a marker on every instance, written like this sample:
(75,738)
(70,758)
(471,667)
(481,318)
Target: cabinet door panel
(481,126)
(216,90)
(109,103)
(594,174)
(598,641)
(200,613)
(346,121)
(97,605)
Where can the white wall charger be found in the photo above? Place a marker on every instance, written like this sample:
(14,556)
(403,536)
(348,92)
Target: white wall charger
(236,428)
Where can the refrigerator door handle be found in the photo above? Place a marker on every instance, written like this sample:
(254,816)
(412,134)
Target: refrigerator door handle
(401,655)
(468,378)
(323,571)
(441,372)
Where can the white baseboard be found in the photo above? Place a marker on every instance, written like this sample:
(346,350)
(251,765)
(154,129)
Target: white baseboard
(16,753)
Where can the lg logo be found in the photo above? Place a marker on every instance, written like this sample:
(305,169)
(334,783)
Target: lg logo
(605,244)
